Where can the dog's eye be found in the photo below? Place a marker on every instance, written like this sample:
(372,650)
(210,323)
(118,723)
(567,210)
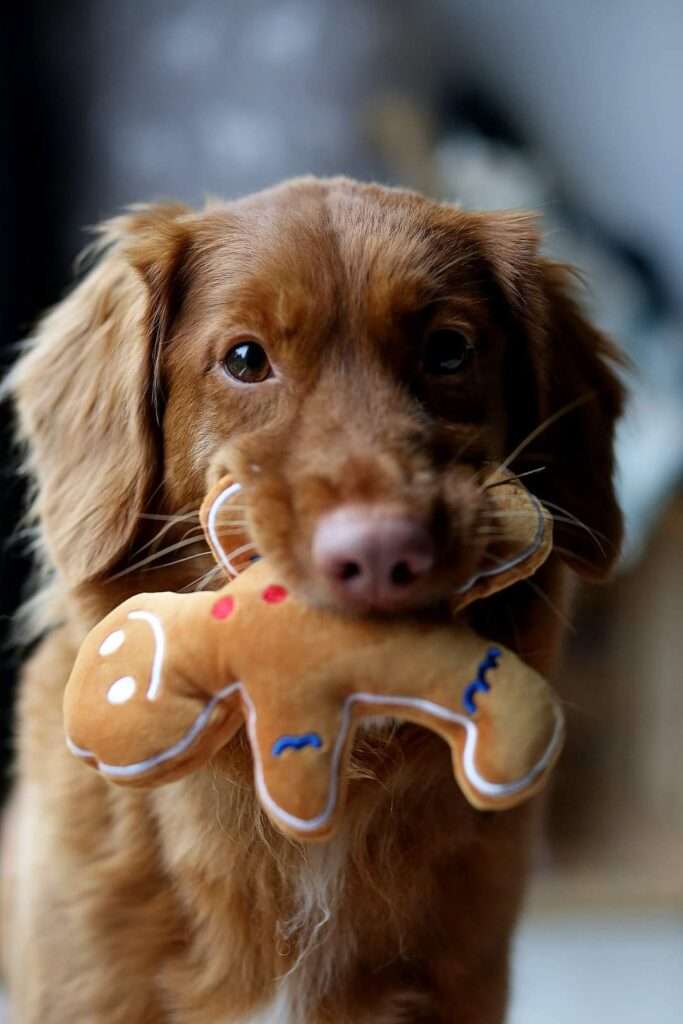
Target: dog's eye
(445,352)
(248,363)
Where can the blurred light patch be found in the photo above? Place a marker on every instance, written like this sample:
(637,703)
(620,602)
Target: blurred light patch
(601,969)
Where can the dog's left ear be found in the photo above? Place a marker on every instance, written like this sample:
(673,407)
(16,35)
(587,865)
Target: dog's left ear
(86,389)
(562,372)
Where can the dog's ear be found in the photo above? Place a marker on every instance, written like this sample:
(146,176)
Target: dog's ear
(85,393)
(565,396)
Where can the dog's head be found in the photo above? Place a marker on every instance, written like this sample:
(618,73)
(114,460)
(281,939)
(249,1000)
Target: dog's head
(359,357)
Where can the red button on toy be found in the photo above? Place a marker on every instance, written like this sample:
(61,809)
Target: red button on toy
(274,593)
(223,607)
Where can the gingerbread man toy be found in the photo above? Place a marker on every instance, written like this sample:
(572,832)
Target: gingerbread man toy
(166,680)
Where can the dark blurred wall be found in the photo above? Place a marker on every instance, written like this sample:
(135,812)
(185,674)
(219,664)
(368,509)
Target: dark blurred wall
(35,210)
(170,98)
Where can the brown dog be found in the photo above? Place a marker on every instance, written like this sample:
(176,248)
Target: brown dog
(359,358)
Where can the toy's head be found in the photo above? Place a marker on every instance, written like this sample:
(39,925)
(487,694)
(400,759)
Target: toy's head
(165,681)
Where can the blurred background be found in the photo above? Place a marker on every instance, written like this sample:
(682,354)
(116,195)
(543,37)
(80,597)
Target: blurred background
(570,108)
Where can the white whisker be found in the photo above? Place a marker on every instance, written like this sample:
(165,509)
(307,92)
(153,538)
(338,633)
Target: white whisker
(195,531)
(548,422)
(156,555)
(169,518)
(178,561)
(575,521)
(201,582)
(513,476)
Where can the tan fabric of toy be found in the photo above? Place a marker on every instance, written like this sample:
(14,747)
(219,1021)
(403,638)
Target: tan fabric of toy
(166,680)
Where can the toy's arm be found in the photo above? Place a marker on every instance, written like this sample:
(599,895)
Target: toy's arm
(499,717)
(151,690)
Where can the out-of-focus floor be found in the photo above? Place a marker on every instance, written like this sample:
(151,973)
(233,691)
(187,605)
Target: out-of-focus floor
(582,968)
(610,967)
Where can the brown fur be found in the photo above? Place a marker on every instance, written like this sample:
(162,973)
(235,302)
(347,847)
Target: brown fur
(183,904)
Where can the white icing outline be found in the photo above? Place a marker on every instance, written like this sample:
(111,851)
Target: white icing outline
(123,771)
(494,790)
(216,506)
(157,628)
(521,556)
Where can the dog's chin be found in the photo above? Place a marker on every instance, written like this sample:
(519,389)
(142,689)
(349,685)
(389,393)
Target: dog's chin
(428,604)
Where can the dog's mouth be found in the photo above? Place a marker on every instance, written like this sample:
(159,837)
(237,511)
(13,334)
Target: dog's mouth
(407,592)
(378,559)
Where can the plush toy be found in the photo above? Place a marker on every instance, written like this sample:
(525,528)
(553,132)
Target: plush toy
(166,680)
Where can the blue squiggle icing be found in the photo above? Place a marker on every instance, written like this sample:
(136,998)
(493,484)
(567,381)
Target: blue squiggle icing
(480,684)
(307,739)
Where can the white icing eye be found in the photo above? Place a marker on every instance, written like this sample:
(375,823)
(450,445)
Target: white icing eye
(112,642)
(121,691)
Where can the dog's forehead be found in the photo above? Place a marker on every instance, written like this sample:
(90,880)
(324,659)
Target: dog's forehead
(301,253)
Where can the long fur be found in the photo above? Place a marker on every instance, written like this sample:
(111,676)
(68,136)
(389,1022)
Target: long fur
(183,904)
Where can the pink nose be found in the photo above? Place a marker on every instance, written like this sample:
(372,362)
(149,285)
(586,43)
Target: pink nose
(371,557)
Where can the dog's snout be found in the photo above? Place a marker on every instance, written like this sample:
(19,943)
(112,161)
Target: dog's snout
(371,556)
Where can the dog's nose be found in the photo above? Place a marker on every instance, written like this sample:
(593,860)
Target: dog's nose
(371,556)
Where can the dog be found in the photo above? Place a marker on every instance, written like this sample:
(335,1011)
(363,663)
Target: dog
(359,358)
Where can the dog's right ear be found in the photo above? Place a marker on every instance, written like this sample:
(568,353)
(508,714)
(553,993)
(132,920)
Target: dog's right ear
(85,391)
(569,394)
